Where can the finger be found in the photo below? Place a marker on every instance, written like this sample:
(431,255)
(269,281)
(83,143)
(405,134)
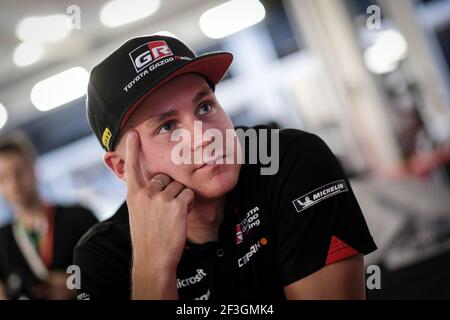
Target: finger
(134,178)
(159,182)
(187,197)
(173,189)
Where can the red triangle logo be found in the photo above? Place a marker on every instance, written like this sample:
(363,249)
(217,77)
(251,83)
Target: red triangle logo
(339,250)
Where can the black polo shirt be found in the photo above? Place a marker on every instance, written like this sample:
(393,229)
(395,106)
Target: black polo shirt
(277,229)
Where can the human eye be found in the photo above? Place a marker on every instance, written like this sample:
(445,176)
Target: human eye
(204,108)
(166,127)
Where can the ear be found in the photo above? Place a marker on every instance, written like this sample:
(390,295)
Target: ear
(116,163)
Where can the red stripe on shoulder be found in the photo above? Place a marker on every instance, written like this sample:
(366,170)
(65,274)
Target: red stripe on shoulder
(338,251)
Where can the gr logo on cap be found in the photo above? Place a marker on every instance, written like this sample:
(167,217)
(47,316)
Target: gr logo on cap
(148,52)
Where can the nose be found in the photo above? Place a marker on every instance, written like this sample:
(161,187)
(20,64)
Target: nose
(200,140)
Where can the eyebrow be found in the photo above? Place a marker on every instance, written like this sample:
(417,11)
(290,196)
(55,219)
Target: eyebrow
(206,91)
(160,117)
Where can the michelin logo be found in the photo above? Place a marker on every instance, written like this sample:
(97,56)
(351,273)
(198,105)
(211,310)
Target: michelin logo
(319,194)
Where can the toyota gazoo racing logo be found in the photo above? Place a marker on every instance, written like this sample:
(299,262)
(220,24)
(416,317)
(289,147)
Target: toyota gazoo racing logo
(149,52)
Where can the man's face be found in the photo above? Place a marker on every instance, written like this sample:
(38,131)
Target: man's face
(177,105)
(17,179)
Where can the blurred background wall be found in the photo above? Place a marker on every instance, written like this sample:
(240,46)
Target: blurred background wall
(372,78)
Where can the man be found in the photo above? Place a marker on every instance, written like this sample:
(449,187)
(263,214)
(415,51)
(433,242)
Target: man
(37,247)
(210,229)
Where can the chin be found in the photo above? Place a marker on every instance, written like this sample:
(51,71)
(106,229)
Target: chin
(216,182)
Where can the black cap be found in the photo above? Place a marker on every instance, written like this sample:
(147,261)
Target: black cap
(118,84)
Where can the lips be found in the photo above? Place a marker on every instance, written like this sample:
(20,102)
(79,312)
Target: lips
(212,161)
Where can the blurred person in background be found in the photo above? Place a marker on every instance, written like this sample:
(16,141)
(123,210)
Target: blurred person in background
(37,247)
